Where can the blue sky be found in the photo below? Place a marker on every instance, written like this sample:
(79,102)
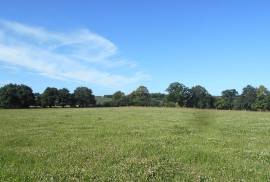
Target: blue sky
(121,44)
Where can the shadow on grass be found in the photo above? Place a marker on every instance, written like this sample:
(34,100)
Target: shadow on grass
(202,120)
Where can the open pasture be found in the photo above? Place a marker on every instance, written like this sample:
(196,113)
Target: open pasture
(134,144)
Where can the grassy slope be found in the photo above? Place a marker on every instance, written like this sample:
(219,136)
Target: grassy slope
(134,143)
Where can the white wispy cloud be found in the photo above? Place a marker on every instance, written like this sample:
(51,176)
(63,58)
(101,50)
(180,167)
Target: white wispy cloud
(79,55)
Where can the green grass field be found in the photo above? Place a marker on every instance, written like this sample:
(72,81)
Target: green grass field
(134,144)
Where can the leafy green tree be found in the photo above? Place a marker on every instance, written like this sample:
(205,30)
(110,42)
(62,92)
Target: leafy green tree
(49,97)
(227,99)
(84,97)
(9,96)
(268,102)
(26,95)
(248,97)
(140,97)
(179,94)
(201,98)
(119,99)
(16,96)
(262,101)
(63,97)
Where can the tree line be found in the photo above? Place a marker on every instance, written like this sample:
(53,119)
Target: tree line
(22,96)
(178,95)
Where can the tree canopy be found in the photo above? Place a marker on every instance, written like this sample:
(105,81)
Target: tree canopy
(227,99)
(179,93)
(201,98)
(49,97)
(16,96)
(84,97)
(64,97)
(140,97)
(119,99)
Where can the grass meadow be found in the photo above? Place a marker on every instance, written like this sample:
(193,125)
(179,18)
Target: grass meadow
(134,144)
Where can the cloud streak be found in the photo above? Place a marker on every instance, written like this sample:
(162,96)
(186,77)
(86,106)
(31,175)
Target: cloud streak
(79,55)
